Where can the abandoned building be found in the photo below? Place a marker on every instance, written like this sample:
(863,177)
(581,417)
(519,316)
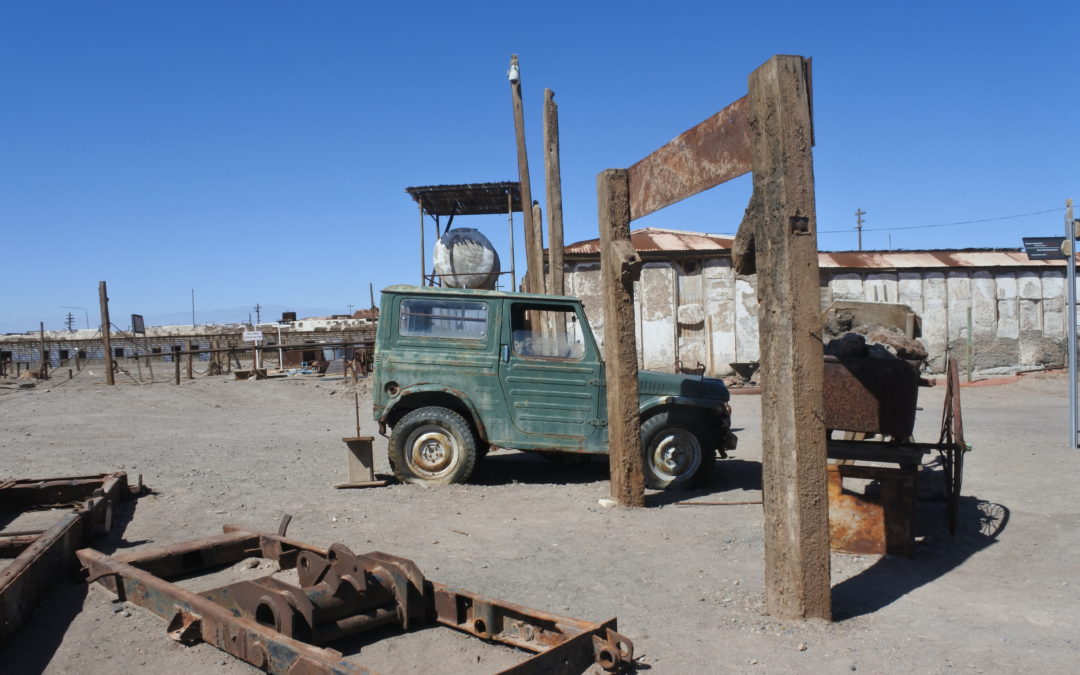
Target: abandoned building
(694,311)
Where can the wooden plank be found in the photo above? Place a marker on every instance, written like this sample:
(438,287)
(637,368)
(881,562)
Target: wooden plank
(620,266)
(713,152)
(781,218)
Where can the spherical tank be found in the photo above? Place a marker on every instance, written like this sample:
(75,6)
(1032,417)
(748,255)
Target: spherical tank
(464,258)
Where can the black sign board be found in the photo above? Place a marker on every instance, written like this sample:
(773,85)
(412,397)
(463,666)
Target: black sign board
(137,325)
(1044,248)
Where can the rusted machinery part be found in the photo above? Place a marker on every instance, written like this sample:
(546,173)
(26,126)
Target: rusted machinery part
(279,627)
(952,445)
(41,556)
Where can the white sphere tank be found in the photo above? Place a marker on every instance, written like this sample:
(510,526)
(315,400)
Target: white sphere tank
(466,259)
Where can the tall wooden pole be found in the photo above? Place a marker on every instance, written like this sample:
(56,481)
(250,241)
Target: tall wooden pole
(534,255)
(620,267)
(553,196)
(190,374)
(778,237)
(106,341)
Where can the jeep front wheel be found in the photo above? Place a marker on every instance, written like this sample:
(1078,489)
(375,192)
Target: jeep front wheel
(432,446)
(676,451)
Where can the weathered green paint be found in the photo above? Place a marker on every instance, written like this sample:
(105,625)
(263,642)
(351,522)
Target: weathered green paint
(514,400)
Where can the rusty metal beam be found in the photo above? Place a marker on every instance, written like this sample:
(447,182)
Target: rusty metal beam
(713,152)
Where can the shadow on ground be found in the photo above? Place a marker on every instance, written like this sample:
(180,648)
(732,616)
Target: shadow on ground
(31,649)
(892,577)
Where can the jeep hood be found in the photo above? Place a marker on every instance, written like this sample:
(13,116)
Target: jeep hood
(651,383)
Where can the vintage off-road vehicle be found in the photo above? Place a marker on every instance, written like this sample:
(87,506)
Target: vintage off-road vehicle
(459,371)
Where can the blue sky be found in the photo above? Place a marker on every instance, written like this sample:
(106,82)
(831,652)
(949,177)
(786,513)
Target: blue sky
(257,152)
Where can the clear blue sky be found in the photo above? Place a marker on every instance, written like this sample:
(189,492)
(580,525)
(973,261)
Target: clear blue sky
(258,151)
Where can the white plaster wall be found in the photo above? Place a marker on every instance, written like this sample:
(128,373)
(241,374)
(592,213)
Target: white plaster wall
(935,318)
(747,347)
(1008,320)
(1005,304)
(1055,322)
(585,283)
(958,300)
(847,287)
(658,316)
(983,303)
(719,280)
(881,287)
(910,290)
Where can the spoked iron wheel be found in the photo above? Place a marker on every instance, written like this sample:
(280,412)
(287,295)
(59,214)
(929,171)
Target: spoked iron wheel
(951,445)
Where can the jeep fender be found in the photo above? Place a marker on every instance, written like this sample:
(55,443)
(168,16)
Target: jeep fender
(420,395)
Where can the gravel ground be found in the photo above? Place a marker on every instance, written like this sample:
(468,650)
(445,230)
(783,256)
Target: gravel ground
(684,582)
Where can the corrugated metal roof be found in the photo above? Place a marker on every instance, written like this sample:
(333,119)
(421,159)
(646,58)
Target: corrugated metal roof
(468,199)
(947,258)
(657,239)
(660,240)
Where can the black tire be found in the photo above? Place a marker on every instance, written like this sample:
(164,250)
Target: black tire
(677,452)
(432,446)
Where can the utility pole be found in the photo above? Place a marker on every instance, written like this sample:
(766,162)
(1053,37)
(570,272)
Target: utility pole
(859,213)
(258,313)
(533,243)
(70,321)
(350,309)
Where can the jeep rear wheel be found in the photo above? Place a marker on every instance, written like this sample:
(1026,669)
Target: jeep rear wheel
(677,453)
(432,446)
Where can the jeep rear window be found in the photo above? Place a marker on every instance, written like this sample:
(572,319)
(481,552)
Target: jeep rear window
(455,319)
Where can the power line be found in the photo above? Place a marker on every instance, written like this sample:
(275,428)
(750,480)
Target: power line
(960,222)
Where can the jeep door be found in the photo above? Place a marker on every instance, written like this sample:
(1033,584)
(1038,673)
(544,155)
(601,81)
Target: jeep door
(551,374)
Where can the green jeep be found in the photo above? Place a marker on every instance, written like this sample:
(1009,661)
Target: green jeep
(459,371)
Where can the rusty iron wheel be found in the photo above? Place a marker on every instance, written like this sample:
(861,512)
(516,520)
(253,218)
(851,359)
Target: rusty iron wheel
(432,445)
(952,445)
(675,451)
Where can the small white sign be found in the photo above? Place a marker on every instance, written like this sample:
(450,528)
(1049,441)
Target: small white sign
(252,335)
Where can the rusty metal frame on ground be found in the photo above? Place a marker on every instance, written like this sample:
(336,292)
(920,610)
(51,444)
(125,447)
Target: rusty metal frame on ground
(41,556)
(281,628)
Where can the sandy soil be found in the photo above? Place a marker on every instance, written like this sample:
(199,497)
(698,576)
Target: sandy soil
(684,582)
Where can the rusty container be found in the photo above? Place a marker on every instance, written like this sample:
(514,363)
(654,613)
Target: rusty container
(872,395)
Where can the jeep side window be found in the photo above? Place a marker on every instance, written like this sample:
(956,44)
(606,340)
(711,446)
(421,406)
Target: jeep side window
(545,331)
(436,318)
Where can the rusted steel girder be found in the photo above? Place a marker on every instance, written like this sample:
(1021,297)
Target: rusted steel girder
(279,627)
(41,557)
(713,152)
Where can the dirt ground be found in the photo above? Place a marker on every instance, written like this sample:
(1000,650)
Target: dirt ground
(684,582)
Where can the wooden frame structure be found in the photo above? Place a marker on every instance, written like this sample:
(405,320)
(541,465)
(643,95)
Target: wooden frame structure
(769,132)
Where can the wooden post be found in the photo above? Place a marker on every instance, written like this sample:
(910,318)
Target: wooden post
(43,373)
(553,196)
(620,267)
(533,246)
(103,297)
(541,279)
(778,237)
(176,366)
(190,375)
